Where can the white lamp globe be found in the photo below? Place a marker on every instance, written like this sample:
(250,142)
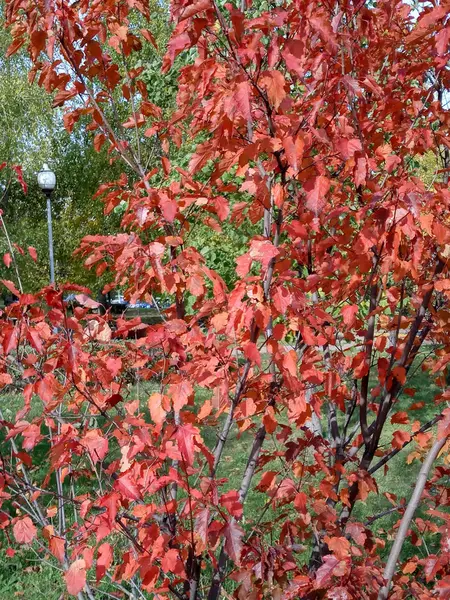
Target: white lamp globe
(46,179)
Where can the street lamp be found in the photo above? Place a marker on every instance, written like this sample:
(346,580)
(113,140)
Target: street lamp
(47,182)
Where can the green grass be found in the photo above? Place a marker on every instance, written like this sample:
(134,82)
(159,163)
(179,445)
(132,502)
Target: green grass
(25,575)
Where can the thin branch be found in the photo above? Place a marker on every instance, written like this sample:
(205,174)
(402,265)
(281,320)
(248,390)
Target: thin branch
(13,256)
(365,380)
(407,517)
(382,514)
(395,451)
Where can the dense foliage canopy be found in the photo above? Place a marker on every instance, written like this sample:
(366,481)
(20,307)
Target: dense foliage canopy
(295,134)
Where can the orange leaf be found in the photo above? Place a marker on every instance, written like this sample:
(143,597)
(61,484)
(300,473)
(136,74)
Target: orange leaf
(56,546)
(400,439)
(340,546)
(157,410)
(290,362)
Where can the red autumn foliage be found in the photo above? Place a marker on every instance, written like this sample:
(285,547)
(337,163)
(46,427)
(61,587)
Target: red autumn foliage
(318,111)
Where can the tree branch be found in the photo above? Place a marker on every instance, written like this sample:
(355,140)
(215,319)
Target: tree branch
(407,517)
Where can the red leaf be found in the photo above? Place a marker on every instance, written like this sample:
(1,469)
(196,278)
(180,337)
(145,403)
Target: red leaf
(149,37)
(63,95)
(149,576)
(400,417)
(357,532)
(194,8)
(316,190)
(331,566)
(222,207)
(349,313)
(263,251)
(430,17)
(205,410)
(128,487)
(444,424)
(233,540)
(19,173)
(168,563)
(32,252)
(230,500)
(84,300)
(251,352)
(442,40)
(348,147)
(181,394)
(294,150)
(241,99)
(185,437)
(298,408)
(323,27)
(400,374)
(338,593)
(431,567)
(75,577)
(10,339)
(104,560)
(201,529)
(443,588)
(269,421)
(165,165)
(99,140)
(176,45)
(11,287)
(38,39)
(96,445)
(360,171)
(274,83)
(16,44)
(7,259)
(168,208)
(24,531)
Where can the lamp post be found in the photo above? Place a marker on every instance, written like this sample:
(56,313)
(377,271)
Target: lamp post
(47,182)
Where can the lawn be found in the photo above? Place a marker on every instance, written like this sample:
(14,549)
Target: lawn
(25,575)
